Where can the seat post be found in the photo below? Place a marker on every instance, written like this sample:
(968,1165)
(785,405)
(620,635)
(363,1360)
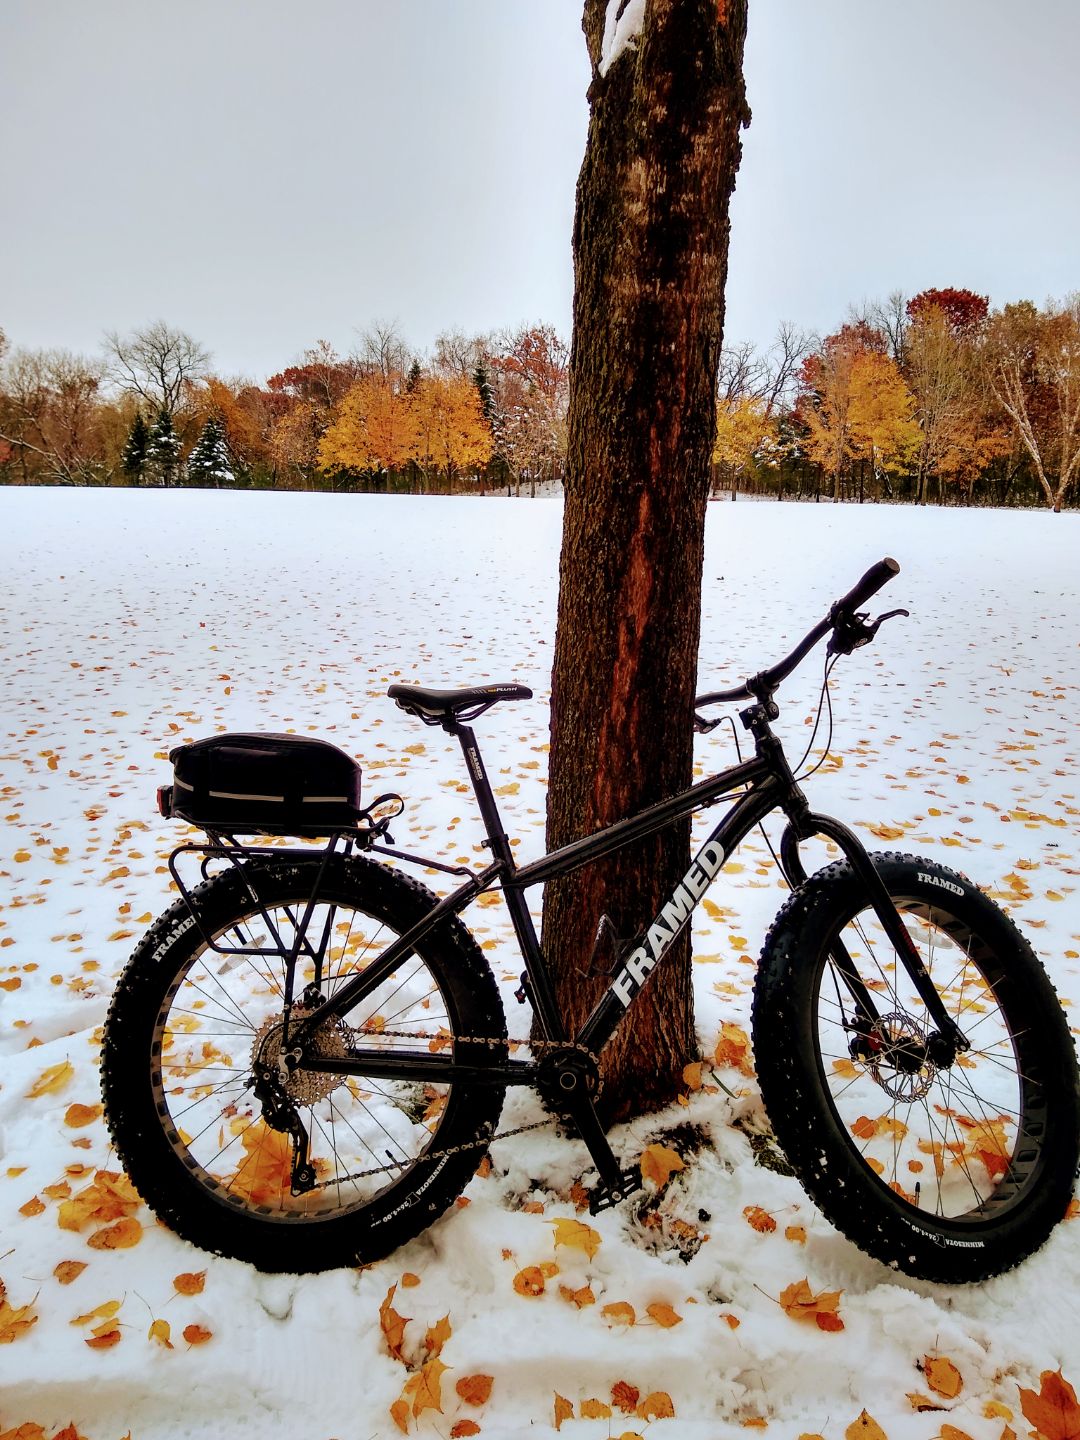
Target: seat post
(489,811)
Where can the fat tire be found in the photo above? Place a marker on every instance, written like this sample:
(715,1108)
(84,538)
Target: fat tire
(820,1147)
(408,1205)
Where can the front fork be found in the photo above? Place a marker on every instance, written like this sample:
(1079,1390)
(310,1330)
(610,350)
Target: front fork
(806,825)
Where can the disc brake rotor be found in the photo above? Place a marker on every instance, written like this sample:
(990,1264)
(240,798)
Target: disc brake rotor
(899,1058)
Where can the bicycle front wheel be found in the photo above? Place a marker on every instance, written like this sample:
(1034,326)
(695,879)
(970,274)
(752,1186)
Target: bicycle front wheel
(951,1168)
(191,1022)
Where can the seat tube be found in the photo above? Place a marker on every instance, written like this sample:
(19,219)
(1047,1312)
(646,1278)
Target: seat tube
(489,811)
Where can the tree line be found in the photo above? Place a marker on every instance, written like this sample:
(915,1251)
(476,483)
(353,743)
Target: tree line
(932,399)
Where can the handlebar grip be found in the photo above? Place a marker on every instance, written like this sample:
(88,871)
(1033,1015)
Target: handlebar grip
(877,576)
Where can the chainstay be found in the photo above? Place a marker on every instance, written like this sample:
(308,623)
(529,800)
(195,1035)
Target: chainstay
(481,1142)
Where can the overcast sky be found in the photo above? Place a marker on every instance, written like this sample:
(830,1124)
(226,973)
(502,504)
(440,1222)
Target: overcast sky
(263,173)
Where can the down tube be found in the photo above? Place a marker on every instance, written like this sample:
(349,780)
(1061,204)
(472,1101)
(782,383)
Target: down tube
(651,947)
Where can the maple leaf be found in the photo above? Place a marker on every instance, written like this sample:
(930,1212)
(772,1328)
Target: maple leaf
(663,1314)
(658,1164)
(864,1427)
(942,1376)
(191,1282)
(564,1410)
(475,1389)
(799,1303)
(51,1080)
(28,1430)
(575,1235)
(424,1387)
(1053,1411)
(625,1396)
(393,1325)
(15,1321)
(437,1336)
(759,1219)
(733,1048)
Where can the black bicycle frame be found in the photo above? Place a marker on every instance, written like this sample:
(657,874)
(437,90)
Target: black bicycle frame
(768,785)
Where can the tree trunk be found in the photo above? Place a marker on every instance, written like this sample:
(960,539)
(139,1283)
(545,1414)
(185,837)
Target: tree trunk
(650,251)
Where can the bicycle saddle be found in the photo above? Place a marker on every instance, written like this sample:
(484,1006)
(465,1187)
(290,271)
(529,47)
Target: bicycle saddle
(436,705)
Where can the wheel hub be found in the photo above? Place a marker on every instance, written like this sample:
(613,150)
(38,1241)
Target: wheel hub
(329,1041)
(896,1051)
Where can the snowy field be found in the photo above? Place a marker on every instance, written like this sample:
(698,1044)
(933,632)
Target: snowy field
(133,621)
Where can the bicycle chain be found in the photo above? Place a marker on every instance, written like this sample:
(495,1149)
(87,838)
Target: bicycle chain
(481,1143)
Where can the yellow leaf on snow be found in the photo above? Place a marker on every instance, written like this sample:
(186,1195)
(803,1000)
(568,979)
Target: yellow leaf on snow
(656,1406)
(69,1270)
(921,1403)
(15,1321)
(532,1280)
(950,1432)
(733,1048)
(105,1311)
(424,1388)
(663,1314)
(160,1331)
(79,1115)
(799,1303)
(51,1080)
(942,1376)
(620,1312)
(575,1235)
(595,1410)
(393,1325)
(121,1236)
(692,1075)
(864,1427)
(659,1163)
(437,1336)
(399,1413)
(564,1410)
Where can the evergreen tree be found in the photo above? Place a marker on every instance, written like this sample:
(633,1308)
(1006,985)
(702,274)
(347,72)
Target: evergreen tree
(482,380)
(412,380)
(209,462)
(133,455)
(163,462)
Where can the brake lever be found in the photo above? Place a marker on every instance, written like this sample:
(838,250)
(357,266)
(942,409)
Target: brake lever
(851,632)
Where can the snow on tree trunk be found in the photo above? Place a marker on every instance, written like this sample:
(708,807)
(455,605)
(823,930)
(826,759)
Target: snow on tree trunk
(650,248)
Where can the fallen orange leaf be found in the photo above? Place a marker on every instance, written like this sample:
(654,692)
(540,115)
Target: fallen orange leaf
(799,1303)
(564,1410)
(663,1314)
(464,1427)
(659,1163)
(625,1396)
(759,1219)
(191,1282)
(393,1325)
(595,1410)
(942,1376)
(656,1406)
(197,1334)
(864,1427)
(475,1389)
(78,1115)
(69,1270)
(437,1336)
(620,1312)
(121,1236)
(15,1321)
(1053,1411)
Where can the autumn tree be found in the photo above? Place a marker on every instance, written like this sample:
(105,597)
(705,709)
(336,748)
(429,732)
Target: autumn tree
(942,372)
(1033,360)
(650,258)
(375,428)
(49,405)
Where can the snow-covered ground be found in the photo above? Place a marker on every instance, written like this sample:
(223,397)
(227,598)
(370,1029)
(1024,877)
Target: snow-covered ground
(135,620)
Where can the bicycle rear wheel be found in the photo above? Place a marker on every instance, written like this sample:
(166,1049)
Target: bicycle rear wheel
(188,1023)
(951,1170)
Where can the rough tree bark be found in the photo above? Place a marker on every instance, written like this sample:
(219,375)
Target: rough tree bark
(650,250)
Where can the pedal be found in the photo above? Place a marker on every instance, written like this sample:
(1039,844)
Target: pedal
(603,1197)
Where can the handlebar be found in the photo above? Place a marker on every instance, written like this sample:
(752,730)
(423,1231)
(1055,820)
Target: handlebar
(850,630)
